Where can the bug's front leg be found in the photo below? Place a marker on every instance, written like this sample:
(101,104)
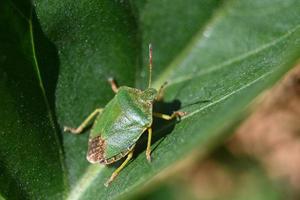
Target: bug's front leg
(148,151)
(169,117)
(84,124)
(117,171)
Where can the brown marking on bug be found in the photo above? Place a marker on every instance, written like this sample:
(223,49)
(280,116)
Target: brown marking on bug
(96,150)
(117,157)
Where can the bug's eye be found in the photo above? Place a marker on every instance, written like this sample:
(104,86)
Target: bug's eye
(149,94)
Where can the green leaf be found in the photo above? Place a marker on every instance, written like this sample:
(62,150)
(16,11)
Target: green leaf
(239,51)
(217,56)
(31,160)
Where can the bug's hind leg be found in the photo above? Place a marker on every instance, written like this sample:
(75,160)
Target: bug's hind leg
(84,124)
(169,117)
(117,171)
(148,151)
(113,84)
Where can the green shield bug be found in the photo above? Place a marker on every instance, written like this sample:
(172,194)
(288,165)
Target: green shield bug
(121,123)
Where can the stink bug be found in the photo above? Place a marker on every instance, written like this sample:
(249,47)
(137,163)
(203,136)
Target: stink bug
(121,123)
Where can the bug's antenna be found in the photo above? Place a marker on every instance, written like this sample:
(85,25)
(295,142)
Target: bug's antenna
(150,65)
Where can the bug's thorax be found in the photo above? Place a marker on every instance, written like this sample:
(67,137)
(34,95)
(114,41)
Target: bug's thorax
(146,96)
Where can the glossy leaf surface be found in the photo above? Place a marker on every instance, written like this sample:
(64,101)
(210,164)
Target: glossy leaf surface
(31,160)
(216,56)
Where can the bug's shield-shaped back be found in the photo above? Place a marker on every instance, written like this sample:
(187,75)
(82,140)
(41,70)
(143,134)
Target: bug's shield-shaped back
(96,150)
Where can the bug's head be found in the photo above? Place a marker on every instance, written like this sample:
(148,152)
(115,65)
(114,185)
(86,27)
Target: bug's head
(149,94)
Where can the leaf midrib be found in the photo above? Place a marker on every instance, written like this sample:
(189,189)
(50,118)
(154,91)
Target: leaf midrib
(49,113)
(88,177)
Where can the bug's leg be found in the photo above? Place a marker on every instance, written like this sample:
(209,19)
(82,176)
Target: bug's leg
(148,151)
(169,117)
(113,84)
(160,93)
(117,171)
(80,128)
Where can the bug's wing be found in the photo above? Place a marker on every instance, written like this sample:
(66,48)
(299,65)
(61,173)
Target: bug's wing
(122,140)
(96,150)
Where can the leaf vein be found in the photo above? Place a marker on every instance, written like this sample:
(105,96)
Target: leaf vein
(227,95)
(236,59)
(36,66)
(217,101)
